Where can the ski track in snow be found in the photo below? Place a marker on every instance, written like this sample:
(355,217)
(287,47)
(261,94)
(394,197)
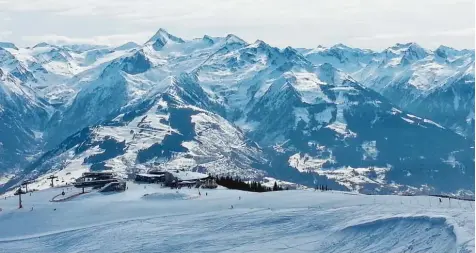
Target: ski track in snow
(287,221)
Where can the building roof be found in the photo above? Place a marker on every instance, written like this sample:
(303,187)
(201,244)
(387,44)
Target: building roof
(150,175)
(156,172)
(99,173)
(187,182)
(188,175)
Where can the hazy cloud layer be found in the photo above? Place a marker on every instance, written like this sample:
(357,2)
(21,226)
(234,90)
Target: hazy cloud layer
(301,23)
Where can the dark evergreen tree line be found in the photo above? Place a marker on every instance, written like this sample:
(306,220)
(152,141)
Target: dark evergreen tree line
(322,188)
(238,184)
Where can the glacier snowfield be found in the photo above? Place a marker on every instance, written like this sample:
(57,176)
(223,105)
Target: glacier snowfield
(147,218)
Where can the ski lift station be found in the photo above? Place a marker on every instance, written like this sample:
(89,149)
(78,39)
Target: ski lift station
(105,181)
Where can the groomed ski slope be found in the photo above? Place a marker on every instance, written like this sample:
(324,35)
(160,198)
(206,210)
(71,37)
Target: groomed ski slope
(286,221)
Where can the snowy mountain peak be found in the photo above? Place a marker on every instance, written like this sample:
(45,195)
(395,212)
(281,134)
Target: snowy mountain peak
(289,51)
(54,54)
(208,39)
(410,48)
(417,51)
(342,46)
(404,54)
(317,50)
(444,51)
(81,48)
(161,38)
(8,45)
(294,56)
(231,39)
(127,46)
(164,36)
(133,64)
(5,55)
(327,67)
(446,48)
(259,44)
(327,73)
(451,53)
(42,44)
(403,45)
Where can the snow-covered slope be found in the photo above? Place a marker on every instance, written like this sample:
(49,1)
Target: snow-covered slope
(153,219)
(222,105)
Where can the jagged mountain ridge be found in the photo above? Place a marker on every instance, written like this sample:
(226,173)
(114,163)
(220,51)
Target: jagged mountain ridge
(278,112)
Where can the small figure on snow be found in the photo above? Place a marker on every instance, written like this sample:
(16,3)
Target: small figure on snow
(231,207)
(206,193)
(239,197)
(439,199)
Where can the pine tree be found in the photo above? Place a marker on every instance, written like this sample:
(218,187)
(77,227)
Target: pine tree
(275,187)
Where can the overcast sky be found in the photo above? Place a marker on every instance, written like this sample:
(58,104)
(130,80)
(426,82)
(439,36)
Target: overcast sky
(374,24)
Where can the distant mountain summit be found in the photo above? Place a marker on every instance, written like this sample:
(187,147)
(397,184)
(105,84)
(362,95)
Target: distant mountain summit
(161,38)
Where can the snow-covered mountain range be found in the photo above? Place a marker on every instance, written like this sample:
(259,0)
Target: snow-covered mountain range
(434,84)
(392,121)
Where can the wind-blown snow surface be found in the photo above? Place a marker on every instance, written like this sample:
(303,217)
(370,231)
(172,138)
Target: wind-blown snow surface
(286,221)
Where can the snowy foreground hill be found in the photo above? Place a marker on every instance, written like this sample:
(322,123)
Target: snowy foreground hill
(349,118)
(154,219)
